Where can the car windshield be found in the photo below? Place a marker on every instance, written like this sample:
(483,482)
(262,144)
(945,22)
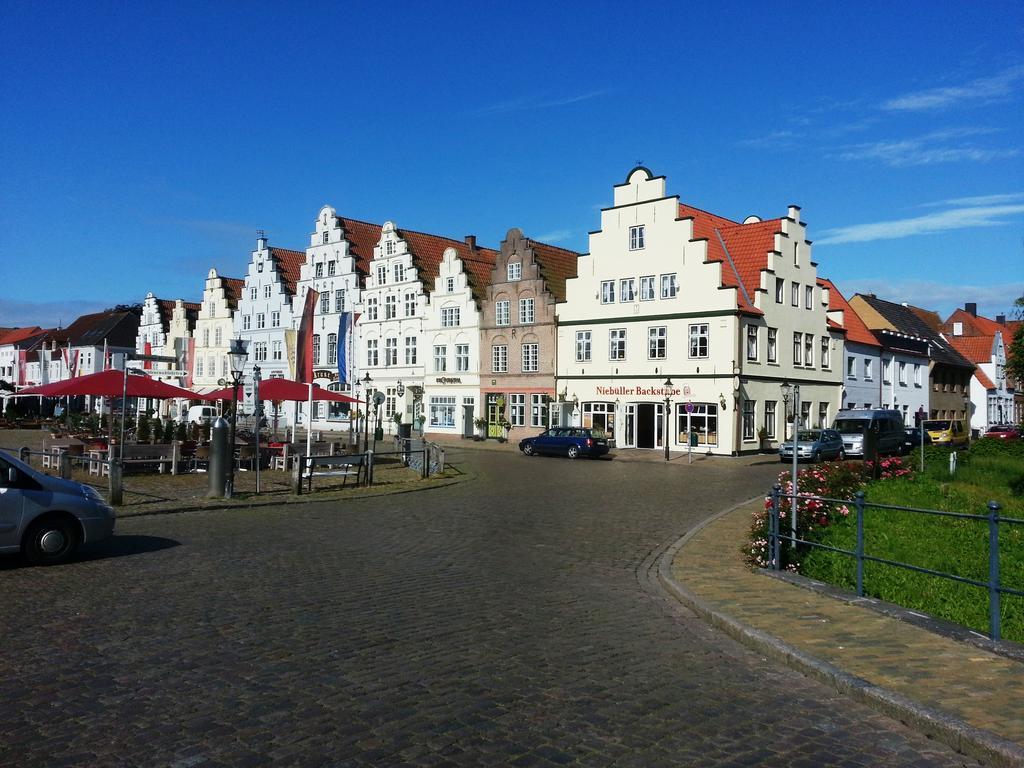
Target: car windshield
(936,426)
(807,435)
(850,425)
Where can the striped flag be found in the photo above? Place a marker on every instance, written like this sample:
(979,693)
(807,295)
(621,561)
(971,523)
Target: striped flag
(304,348)
(344,332)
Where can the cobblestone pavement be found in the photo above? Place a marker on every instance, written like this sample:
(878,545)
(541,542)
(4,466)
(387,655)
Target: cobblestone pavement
(512,619)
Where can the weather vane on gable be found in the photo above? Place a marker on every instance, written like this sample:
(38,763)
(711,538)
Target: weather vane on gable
(260,233)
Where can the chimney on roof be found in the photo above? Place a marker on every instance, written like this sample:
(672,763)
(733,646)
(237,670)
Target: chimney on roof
(1001,319)
(471,242)
(971,308)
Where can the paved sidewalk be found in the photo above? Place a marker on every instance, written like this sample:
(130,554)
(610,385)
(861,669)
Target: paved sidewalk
(956,691)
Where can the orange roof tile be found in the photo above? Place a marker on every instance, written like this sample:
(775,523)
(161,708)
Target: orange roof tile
(556,266)
(14,335)
(986,382)
(289,266)
(428,250)
(977,349)
(362,237)
(856,331)
(233,288)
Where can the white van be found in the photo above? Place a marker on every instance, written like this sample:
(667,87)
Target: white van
(853,423)
(201,414)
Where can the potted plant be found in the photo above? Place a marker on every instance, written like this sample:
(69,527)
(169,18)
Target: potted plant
(481,428)
(506,426)
(762,435)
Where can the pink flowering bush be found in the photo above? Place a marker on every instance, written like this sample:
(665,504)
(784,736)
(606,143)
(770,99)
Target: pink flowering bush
(833,480)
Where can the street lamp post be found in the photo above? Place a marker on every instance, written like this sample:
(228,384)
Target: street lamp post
(237,352)
(796,430)
(366,416)
(667,385)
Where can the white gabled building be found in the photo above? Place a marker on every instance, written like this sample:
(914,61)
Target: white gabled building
(206,358)
(451,339)
(724,311)
(164,329)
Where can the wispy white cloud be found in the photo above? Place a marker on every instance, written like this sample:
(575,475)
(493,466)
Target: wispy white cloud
(556,236)
(943,298)
(979,91)
(773,140)
(1010,197)
(955,218)
(525,103)
(946,146)
(46,314)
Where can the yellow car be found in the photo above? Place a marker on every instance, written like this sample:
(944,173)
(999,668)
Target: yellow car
(952,433)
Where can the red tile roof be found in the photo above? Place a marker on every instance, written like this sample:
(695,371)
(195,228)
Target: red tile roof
(289,266)
(233,288)
(14,335)
(986,382)
(856,331)
(428,250)
(362,237)
(977,349)
(556,266)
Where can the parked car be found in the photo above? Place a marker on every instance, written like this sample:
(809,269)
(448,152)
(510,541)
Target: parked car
(46,518)
(853,423)
(912,439)
(1003,432)
(566,441)
(201,414)
(814,445)
(951,433)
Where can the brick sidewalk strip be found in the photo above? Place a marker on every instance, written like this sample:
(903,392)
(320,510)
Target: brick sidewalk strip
(954,691)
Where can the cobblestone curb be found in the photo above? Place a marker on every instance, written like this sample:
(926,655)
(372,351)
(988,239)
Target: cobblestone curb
(966,739)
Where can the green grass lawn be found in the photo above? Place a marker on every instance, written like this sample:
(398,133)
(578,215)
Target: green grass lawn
(943,544)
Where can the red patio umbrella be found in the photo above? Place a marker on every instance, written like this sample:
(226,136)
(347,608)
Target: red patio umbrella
(282,389)
(111,384)
(223,394)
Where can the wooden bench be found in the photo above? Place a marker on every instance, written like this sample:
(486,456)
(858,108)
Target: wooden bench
(334,466)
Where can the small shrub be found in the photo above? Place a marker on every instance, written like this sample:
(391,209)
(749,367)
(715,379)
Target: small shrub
(1017,485)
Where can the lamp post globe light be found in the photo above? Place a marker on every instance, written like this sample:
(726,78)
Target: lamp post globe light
(238,350)
(667,385)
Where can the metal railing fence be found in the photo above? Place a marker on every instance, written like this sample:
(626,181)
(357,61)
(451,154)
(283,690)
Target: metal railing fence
(993,585)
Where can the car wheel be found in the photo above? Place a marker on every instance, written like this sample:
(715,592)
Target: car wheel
(528,449)
(50,541)
(574,451)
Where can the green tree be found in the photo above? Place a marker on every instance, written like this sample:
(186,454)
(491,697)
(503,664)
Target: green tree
(1015,355)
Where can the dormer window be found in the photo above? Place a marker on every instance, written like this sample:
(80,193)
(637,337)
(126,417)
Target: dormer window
(449,284)
(325,236)
(515,270)
(636,238)
(389,248)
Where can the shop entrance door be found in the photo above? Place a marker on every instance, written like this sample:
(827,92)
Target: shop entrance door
(645,425)
(495,415)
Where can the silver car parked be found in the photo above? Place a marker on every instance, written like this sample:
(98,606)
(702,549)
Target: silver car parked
(814,445)
(46,518)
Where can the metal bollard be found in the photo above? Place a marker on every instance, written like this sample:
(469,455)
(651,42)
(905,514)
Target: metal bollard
(218,466)
(116,489)
(65,465)
(25,455)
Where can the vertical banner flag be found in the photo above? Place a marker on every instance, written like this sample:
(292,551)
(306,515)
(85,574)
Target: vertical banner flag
(189,367)
(73,364)
(304,351)
(22,364)
(106,356)
(147,349)
(344,323)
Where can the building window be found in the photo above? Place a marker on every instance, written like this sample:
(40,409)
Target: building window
(410,304)
(851,367)
(887,371)
(275,319)
(442,411)
(826,361)
(449,284)
(371,308)
(526,313)
(217,335)
(206,337)
(627,289)
(462,357)
(917,375)
(538,411)
(869,370)
(751,342)
(499,358)
(748,419)
(657,342)
(261,320)
(332,348)
(798,346)
(636,238)
(276,350)
(325,303)
(261,350)
(515,270)
(699,340)
(808,350)
(319,270)
(647,288)
(252,294)
(805,415)
(530,358)
(339,300)
(372,352)
(668,286)
(449,317)
(391,351)
(410,350)
(389,247)
(769,418)
(808,296)
(517,410)
(331,267)
(399,272)
(382,274)
(607,291)
(325,236)
(796,294)
(773,345)
(822,415)
(503,312)
(316,348)
(780,290)
(901,371)
(223,367)
(582,346)
(246,322)
(266,291)
(440,358)
(617,344)
(199,367)
(390,307)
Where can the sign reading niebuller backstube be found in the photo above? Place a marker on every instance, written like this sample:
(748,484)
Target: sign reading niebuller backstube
(640,391)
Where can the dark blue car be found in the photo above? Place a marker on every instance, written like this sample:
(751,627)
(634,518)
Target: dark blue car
(566,441)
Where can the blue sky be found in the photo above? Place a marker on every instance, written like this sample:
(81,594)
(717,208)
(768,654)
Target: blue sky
(142,143)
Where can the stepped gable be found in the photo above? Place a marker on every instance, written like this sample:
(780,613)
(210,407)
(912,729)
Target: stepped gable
(233,288)
(428,250)
(856,331)
(977,349)
(167,312)
(915,321)
(984,380)
(556,266)
(362,237)
(289,266)
(745,252)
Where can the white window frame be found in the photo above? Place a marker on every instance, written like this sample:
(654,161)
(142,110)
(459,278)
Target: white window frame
(462,357)
(627,290)
(616,344)
(752,333)
(607,291)
(583,346)
(636,237)
(450,317)
(514,270)
(772,345)
(526,312)
(669,286)
(517,409)
(798,348)
(531,357)
(699,336)
(503,312)
(647,288)
(499,358)
(440,358)
(657,342)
